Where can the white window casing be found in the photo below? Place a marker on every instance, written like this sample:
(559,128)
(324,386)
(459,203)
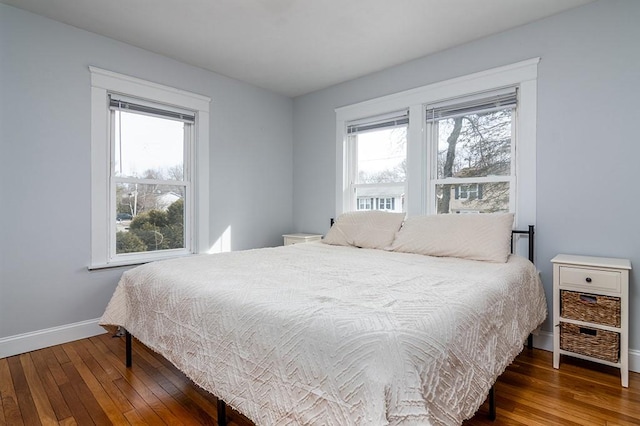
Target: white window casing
(148,94)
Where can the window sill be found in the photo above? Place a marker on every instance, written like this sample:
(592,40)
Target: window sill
(134,263)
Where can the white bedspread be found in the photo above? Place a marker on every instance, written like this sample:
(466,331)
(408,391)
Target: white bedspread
(325,335)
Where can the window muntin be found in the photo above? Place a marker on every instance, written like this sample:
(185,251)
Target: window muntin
(378,162)
(473,166)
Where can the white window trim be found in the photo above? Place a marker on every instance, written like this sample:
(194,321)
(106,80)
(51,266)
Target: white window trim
(522,74)
(104,82)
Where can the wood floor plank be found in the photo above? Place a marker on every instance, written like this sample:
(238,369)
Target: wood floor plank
(95,387)
(24,398)
(69,421)
(60,354)
(204,401)
(53,363)
(3,420)
(169,395)
(84,394)
(133,377)
(40,398)
(200,416)
(9,407)
(139,403)
(134,418)
(80,413)
(58,403)
(103,378)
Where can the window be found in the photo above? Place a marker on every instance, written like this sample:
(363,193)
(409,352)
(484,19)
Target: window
(365,203)
(377,162)
(151,147)
(469,192)
(470,146)
(149,171)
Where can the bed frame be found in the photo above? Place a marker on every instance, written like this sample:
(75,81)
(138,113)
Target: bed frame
(222,406)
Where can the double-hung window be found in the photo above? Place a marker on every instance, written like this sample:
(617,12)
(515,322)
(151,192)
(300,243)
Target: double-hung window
(471,141)
(377,156)
(151,179)
(149,171)
(468,146)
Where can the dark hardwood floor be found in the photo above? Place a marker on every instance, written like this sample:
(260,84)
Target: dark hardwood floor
(85,383)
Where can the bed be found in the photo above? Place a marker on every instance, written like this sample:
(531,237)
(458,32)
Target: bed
(335,334)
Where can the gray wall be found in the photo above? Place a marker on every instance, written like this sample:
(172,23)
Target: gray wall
(588,147)
(45,165)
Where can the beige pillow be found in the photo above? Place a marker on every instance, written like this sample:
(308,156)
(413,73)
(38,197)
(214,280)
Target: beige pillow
(366,229)
(484,236)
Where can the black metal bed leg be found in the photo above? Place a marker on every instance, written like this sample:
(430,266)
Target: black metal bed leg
(222,407)
(222,413)
(127,339)
(492,403)
(530,341)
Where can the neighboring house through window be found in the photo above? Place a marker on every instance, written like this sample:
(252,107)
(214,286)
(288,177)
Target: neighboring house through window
(149,171)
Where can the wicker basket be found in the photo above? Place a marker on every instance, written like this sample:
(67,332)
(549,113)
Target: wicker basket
(589,341)
(593,308)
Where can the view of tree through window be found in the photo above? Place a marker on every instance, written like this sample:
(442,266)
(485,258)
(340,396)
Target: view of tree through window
(473,149)
(150,188)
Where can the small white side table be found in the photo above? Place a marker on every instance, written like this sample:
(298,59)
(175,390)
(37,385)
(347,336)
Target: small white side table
(300,238)
(590,299)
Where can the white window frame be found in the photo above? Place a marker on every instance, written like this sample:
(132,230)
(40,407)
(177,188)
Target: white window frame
(522,75)
(103,83)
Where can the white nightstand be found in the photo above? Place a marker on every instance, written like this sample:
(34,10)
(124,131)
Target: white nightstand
(591,310)
(300,238)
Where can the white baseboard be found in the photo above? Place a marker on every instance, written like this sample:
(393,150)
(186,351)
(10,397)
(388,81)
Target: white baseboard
(544,340)
(27,342)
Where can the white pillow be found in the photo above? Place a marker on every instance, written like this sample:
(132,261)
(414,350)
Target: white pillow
(366,229)
(484,236)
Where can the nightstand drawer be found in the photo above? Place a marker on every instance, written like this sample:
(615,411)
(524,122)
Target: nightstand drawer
(589,279)
(590,341)
(593,308)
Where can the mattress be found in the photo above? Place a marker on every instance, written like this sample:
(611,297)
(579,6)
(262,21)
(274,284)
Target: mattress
(312,334)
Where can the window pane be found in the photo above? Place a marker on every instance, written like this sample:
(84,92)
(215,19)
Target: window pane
(382,155)
(148,147)
(474,145)
(473,198)
(149,217)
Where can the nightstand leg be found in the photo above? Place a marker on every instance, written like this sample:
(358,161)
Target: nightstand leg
(556,343)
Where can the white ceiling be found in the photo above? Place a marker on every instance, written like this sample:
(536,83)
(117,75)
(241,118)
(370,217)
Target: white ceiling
(295,47)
